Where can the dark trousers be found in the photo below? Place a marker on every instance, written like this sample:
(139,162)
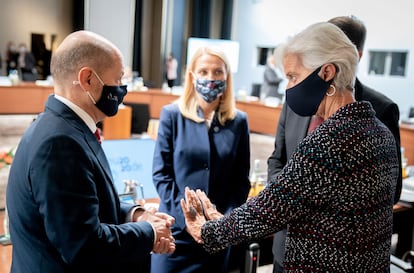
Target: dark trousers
(170,83)
(278,249)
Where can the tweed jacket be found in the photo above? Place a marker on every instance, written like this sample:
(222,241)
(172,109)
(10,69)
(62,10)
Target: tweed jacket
(335,193)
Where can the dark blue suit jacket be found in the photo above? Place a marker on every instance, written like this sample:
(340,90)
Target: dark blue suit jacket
(215,160)
(184,157)
(64,211)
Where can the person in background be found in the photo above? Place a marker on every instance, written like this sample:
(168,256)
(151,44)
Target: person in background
(336,191)
(293,128)
(171,67)
(11,57)
(272,78)
(44,60)
(203,142)
(26,63)
(65,214)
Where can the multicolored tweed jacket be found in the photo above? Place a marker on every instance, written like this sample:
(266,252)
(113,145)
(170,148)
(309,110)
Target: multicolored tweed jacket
(335,194)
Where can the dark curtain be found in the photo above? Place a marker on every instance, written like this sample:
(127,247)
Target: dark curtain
(136,58)
(178,29)
(227,18)
(78,14)
(201,19)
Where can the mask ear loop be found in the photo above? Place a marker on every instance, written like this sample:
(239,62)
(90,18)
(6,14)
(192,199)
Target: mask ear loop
(194,79)
(87,92)
(334,91)
(90,96)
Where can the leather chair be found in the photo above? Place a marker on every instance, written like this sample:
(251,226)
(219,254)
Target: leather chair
(140,117)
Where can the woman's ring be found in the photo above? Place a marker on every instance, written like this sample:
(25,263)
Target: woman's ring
(193,212)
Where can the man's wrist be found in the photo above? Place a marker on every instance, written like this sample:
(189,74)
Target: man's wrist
(134,213)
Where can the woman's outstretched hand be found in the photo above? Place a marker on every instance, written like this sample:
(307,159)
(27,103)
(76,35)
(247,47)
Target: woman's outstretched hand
(193,213)
(197,209)
(209,209)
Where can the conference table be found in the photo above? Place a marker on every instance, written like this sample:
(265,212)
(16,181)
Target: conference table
(5,250)
(29,98)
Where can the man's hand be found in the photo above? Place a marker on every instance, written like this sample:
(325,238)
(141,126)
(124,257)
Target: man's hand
(161,222)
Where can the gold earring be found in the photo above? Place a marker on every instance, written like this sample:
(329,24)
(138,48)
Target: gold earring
(334,91)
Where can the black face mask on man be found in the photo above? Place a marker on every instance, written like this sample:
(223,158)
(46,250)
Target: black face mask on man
(112,96)
(305,97)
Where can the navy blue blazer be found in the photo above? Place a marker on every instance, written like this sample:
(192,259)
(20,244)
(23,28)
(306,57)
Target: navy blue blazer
(216,161)
(64,211)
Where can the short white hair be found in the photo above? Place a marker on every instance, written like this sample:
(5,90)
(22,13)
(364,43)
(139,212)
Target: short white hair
(323,43)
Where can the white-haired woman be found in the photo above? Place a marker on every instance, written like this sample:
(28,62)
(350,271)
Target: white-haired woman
(336,192)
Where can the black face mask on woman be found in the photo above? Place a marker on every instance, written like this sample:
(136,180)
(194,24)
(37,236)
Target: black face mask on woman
(305,97)
(112,96)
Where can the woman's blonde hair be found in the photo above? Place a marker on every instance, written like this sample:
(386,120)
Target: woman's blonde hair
(188,101)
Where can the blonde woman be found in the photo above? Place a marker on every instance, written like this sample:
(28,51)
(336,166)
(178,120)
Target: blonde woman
(203,142)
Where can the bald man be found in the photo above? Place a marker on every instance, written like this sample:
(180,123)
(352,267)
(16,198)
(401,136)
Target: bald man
(65,214)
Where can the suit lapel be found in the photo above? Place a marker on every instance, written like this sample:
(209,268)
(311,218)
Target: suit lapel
(100,155)
(75,121)
(296,129)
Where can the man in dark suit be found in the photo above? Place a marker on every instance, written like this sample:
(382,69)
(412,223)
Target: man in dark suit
(65,214)
(293,128)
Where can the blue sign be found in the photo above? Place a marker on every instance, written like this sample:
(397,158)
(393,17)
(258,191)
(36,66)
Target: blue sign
(131,159)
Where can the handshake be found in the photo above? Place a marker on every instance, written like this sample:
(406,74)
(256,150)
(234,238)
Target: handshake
(197,209)
(164,242)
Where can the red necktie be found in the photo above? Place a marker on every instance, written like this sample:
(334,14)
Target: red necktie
(315,122)
(98,135)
